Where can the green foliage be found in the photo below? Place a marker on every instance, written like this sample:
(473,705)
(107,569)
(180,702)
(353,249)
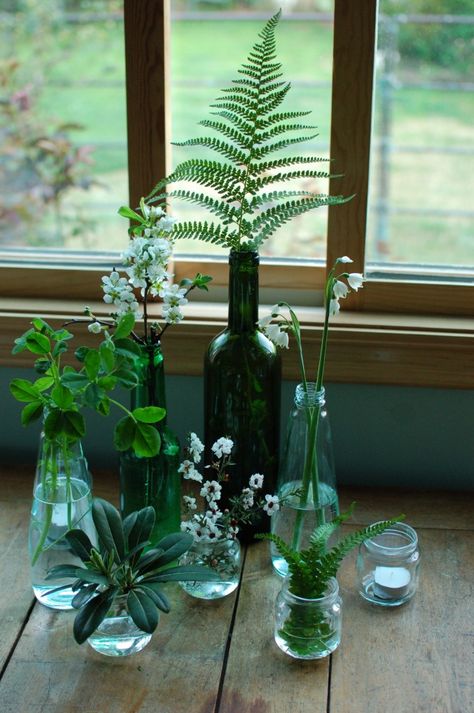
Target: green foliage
(252,130)
(120,565)
(310,570)
(60,393)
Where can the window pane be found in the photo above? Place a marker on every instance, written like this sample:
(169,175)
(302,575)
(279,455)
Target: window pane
(209,42)
(63,155)
(422,172)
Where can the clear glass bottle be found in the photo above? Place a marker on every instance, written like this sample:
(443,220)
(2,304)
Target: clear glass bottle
(222,556)
(62,501)
(152,481)
(117,634)
(306,479)
(388,566)
(308,628)
(242,379)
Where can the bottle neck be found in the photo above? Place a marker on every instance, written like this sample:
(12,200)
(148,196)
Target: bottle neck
(243,291)
(150,390)
(309,398)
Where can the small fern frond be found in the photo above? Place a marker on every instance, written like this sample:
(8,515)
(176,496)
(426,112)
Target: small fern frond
(289,175)
(260,152)
(226,150)
(291,556)
(261,137)
(223,210)
(244,108)
(207,232)
(322,533)
(250,92)
(264,198)
(265,122)
(246,127)
(259,168)
(236,136)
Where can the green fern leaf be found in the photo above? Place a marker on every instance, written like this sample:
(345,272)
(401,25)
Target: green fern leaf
(239,138)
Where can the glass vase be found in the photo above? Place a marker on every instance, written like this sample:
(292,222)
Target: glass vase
(62,501)
(152,481)
(117,634)
(308,628)
(242,375)
(222,556)
(306,481)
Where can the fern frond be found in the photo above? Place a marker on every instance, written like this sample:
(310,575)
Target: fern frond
(248,91)
(226,150)
(264,123)
(289,175)
(291,556)
(264,198)
(259,168)
(236,136)
(224,211)
(322,533)
(260,152)
(207,232)
(262,136)
(246,127)
(244,108)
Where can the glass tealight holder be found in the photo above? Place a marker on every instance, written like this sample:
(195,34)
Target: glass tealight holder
(387,566)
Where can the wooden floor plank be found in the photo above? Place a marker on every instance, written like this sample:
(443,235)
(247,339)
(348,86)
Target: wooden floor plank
(178,672)
(260,678)
(417,658)
(428,509)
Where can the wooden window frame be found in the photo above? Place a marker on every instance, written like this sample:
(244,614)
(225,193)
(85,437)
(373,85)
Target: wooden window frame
(410,332)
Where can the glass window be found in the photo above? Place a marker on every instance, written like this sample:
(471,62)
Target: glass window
(63,157)
(422,174)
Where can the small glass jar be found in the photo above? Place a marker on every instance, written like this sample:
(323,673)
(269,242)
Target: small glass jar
(117,634)
(222,556)
(387,566)
(308,628)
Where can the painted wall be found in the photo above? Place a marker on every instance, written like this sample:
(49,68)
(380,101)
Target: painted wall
(383,435)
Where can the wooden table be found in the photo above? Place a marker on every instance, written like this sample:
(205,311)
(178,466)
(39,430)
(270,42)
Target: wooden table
(219,657)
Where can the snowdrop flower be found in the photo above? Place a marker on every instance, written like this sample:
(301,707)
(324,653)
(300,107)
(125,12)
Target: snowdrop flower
(344,259)
(355,280)
(247,498)
(189,471)
(211,490)
(94,328)
(340,289)
(256,481)
(190,503)
(265,321)
(223,446)
(195,447)
(272,504)
(334,307)
(277,335)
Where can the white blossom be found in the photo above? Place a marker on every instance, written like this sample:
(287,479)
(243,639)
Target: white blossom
(172,314)
(166,223)
(265,321)
(344,258)
(94,327)
(334,307)
(223,446)
(272,504)
(256,481)
(247,498)
(195,447)
(355,280)
(340,289)
(174,295)
(211,490)
(277,335)
(189,502)
(189,471)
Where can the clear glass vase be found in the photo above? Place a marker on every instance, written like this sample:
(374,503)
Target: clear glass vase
(152,481)
(117,634)
(242,380)
(306,480)
(308,628)
(61,501)
(222,556)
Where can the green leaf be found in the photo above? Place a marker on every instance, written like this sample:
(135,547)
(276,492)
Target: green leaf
(138,526)
(42,326)
(126,212)
(62,397)
(124,433)
(107,357)
(59,348)
(20,342)
(127,348)
(108,383)
(147,561)
(83,595)
(91,576)
(174,546)
(92,364)
(24,390)
(62,570)
(124,326)
(44,383)
(31,412)
(109,527)
(146,441)
(67,423)
(126,378)
(92,614)
(156,595)
(149,414)
(79,543)
(38,343)
(185,573)
(62,335)
(93,396)
(104,406)
(42,366)
(81,353)
(76,381)
(142,610)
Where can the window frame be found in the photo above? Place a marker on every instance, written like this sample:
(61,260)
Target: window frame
(390,327)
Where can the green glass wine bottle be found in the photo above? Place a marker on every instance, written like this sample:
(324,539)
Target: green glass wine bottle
(152,481)
(242,375)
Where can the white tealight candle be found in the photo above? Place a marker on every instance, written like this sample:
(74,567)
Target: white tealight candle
(391,582)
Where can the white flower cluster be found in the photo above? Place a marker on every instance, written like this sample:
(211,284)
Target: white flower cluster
(213,523)
(146,259)
(278,331)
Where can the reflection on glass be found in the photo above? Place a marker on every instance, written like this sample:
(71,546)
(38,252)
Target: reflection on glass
(63,162)
(421,187)
(209,41)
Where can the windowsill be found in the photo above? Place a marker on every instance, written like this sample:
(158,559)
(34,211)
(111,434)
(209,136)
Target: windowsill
(364,347)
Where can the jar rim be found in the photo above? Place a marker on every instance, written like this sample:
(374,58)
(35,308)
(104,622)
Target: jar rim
(309,396)
(332,592)
(398,528)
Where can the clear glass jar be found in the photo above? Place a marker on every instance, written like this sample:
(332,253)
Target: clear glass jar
(62,501)
(387,566)
(308,628)
(117,634)
(306,479)
(222,556)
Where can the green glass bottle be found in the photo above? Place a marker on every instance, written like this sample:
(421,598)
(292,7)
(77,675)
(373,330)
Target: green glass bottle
(242,376)
(152,481)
